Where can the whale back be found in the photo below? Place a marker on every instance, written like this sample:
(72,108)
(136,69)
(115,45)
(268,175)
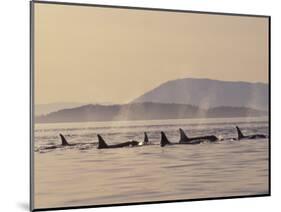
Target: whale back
(240,134)
(145,141)
(101,143)
(164,140)
(183,136)
(63,141)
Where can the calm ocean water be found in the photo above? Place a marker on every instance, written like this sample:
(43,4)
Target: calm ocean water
(83,175)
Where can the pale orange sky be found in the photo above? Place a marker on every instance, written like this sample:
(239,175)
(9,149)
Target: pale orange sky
(89,54)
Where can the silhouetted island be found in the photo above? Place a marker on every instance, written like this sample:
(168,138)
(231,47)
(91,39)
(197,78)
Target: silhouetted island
(207,93)
(144,111)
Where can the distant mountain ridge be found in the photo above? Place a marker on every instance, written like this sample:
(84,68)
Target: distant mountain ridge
(143,111)
(176,99)
(43,109)
(207,93)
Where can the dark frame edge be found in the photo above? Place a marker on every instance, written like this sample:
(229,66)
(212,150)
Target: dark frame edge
(148,8)
(269,105)
(31,90)
(152,202)
(32,19)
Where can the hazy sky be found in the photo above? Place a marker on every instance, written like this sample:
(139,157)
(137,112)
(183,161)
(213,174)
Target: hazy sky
(88,54)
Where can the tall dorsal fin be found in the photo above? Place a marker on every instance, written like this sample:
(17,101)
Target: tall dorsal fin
(101,144)
(63,141)
(240,134)
(183,136)
(145,138)
(164,139)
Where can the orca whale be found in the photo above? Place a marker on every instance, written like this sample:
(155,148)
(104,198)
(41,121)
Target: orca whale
(185,139)
(254,136)
(164,141)
(103,145)
(64,143)
(145,140)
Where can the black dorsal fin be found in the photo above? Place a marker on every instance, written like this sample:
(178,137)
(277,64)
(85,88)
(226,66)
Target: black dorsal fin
(240,134)
(63,141)
(183,136)
(164,139)
(145,138)
(101,144)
